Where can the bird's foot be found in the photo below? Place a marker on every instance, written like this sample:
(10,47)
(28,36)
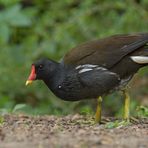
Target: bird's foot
(134,120)
(118,124)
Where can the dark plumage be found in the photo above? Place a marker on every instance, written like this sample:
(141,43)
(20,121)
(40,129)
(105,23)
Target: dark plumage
(94,68)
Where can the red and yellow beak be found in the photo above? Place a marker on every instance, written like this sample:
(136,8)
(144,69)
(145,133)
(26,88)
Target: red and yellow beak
(32,76)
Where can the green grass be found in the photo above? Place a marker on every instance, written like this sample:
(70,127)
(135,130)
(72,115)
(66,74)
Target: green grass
(1,120)
(142,111)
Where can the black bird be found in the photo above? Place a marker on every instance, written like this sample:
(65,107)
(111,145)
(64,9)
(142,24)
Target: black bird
(94,69)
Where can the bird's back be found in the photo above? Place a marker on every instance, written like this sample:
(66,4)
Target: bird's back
(106,52)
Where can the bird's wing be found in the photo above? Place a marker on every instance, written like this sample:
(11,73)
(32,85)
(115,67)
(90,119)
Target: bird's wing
(99,79)
(105,52)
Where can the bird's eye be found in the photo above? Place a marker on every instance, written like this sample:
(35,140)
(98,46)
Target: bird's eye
(40,66)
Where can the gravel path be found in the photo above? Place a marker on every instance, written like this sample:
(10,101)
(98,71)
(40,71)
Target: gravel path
(72,131)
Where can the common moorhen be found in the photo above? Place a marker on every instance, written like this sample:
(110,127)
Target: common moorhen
(94,69)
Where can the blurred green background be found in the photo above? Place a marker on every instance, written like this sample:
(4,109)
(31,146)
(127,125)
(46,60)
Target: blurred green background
(31,29)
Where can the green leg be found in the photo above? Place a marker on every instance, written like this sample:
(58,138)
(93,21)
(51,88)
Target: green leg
(98,111)
(126,105)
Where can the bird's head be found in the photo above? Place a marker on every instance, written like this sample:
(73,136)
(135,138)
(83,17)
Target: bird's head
(41,70)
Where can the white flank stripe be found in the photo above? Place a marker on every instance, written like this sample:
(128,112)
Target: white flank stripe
(86,66)
(140,59)
(89,67)
(112,73)
(84,70)
(101,68)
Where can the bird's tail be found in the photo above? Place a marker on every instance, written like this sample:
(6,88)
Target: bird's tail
(140,59)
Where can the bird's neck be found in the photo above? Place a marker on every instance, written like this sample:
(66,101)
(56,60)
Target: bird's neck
(56,78)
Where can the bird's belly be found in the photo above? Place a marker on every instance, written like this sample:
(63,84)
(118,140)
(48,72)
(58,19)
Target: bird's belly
(76,95)
(79,93)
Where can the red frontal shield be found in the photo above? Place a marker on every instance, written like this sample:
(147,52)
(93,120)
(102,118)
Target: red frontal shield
(32,75)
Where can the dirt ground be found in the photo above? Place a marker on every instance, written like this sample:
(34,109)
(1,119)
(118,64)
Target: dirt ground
(72,131)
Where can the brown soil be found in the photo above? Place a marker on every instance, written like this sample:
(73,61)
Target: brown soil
(73,131)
